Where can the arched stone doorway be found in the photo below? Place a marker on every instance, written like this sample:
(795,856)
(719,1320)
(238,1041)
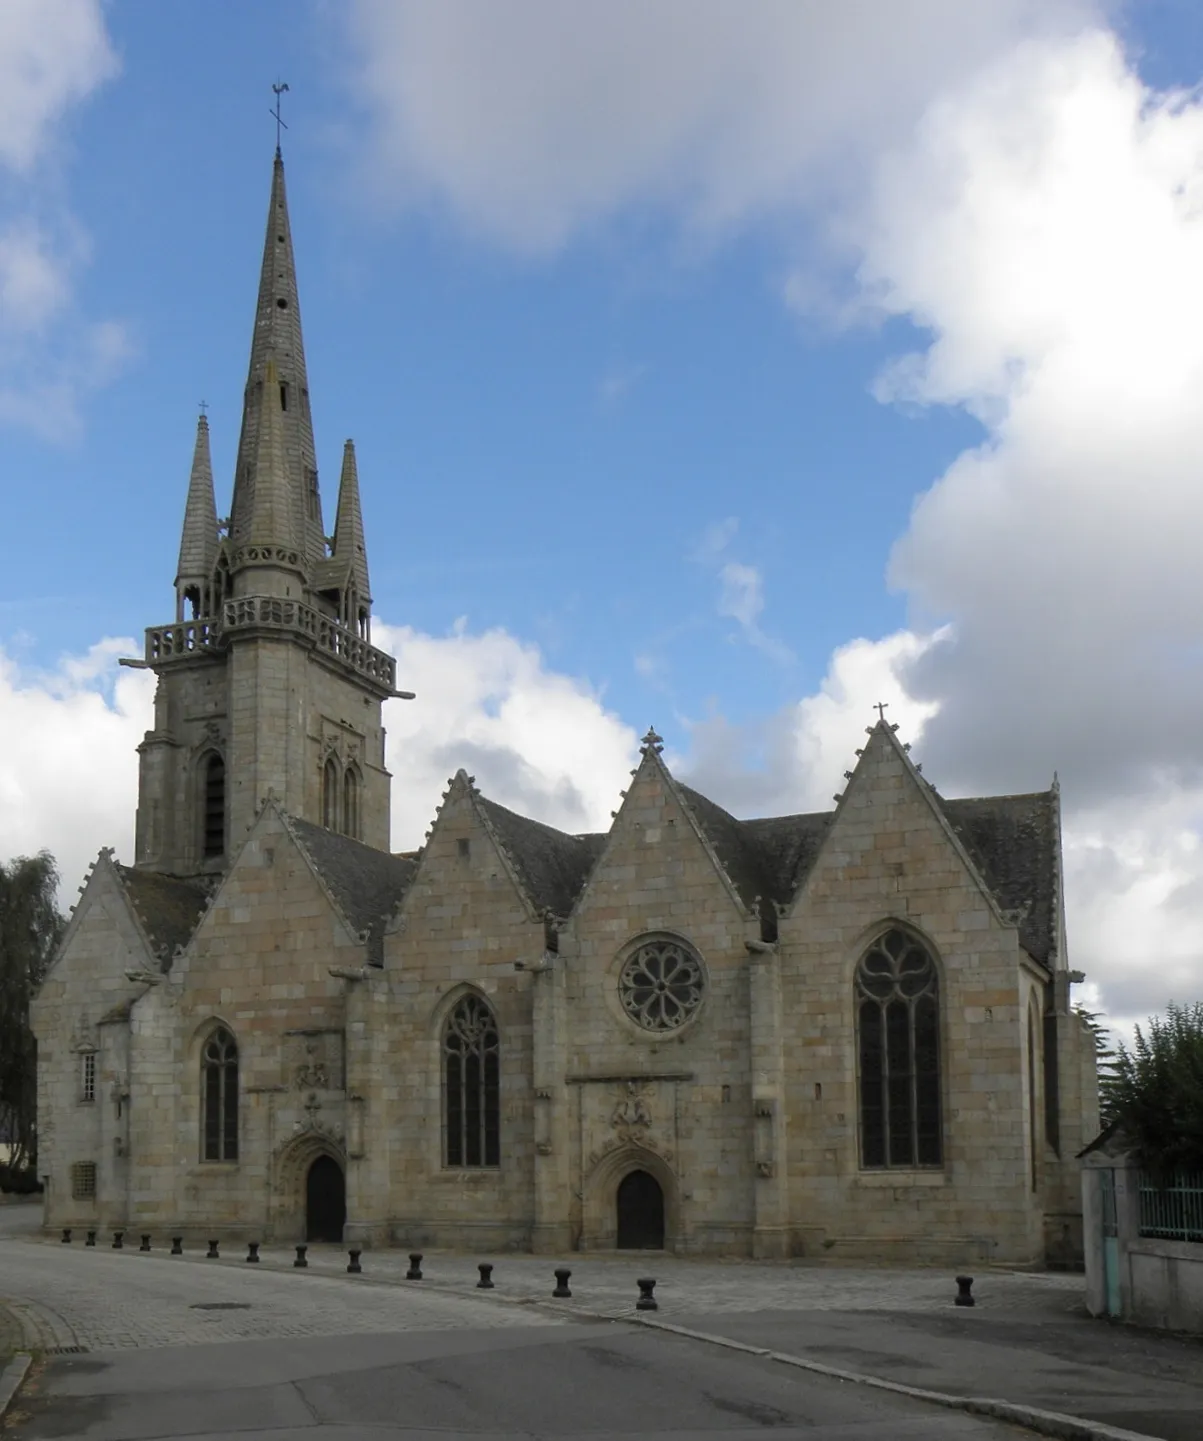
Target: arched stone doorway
(640,1206)
(325,1200)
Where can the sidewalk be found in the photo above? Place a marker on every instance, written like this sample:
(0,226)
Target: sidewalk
(1028,1341)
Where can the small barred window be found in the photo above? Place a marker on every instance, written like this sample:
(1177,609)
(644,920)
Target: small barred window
(87,1076)
(660,985)
(83,1181)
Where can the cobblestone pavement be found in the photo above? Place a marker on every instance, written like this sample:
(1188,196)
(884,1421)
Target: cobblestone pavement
(69,1298)
(604,1285)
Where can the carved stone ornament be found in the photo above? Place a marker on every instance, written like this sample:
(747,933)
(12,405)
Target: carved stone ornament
(312,1073)
(632,1114)
(83,1038)
(212,731)
(617,1143)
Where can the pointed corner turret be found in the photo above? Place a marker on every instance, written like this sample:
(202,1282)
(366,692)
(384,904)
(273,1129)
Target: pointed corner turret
(199,540)
(350,549)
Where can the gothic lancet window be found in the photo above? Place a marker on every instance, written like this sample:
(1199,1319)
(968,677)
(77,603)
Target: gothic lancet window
(898,1023)
(214,806)
(351,804)
(471,1085)
(219,1098)
(330,817)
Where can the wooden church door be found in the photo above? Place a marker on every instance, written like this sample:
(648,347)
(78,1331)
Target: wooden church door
(640,1213)
(325,1201)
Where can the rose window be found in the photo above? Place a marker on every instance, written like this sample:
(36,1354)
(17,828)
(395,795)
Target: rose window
(660,985)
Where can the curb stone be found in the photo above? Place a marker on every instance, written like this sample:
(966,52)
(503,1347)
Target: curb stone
(10,1380)
(1046,1423)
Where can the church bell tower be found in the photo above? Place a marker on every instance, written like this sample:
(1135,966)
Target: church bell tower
(268,683)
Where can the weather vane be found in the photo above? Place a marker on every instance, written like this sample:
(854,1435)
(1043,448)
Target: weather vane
(279,90)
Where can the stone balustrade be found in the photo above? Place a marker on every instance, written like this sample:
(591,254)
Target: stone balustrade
(187,639)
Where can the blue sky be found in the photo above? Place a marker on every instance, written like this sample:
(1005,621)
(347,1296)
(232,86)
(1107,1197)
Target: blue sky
(614,312)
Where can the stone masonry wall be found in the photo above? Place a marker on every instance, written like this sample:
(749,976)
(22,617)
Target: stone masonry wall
(463,925)
(888,861)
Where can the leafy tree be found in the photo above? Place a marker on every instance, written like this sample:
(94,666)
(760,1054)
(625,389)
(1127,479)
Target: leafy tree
(30,927)
(1155,1091)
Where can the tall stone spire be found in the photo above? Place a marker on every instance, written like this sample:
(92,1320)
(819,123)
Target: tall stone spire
(199,539)
(349,545)
(277,339)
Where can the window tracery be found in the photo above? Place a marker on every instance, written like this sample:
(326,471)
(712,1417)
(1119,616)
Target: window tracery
(661,984)
(219,1097)
(471,1085)
(897,993)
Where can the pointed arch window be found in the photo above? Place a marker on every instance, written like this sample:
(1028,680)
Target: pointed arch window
(213,807)
(351,803)
(471,1085)
(898,1028)
(219,1097)
(330,816)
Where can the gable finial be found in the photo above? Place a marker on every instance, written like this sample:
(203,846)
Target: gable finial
(279,89)
(652,743)
(881,707)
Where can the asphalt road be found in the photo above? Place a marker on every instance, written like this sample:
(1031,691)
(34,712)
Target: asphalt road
(604,1380)
(141,1348)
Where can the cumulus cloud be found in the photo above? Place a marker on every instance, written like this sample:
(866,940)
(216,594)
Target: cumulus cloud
(68,766)
(539,741)
(530,120)
(53,55)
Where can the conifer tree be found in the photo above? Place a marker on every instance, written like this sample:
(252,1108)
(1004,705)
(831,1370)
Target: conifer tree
(1155,1091)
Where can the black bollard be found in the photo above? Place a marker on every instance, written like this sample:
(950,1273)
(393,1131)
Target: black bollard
(486,1277)
(964,1292)
(562,1284)
(415,1266)
(145,1246)
(646,1302)
(177,1245)
(66,1236)
(211,1253)
(353,1266)
(118,1240)
(301,1261)
(91,1241)
(252,1252)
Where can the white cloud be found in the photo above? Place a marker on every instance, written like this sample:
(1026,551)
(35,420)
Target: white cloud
(68,766)
(534,119)
(53,55)
(538,741)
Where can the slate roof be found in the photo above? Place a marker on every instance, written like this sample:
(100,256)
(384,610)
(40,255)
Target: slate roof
(1013,842)
(366,883)
(169,908)
(767,858)
(551,865)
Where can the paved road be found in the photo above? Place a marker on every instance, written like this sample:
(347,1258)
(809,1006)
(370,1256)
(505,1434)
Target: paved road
(184,1348)
(606,1380)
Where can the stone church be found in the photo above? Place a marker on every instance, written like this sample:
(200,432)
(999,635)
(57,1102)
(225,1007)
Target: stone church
(845,1034)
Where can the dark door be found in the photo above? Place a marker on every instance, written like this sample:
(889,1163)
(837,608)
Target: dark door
(640,1213)
(325,1201)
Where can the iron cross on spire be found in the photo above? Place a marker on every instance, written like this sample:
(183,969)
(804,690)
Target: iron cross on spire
(882,707)
(278,88)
